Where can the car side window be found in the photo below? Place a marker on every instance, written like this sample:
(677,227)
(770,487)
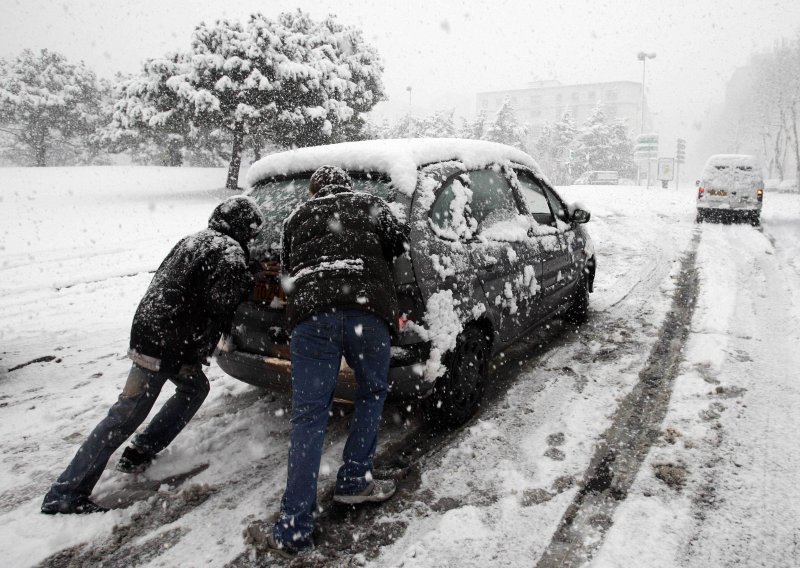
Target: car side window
(556,205)
(535,199)
(492,200)
(451,212)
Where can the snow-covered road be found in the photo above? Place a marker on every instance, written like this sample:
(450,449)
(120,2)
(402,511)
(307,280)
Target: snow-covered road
(718,487)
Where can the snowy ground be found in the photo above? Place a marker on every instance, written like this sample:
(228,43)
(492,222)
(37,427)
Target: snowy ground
(718,484)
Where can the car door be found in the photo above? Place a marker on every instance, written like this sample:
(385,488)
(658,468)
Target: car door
(555,257)
(573,238)
(506,259)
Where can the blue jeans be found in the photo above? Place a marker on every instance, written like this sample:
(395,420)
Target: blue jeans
(134,404)
(317,346)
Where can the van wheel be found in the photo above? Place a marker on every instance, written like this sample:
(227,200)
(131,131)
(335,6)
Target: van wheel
(700,217)
(458,393)
(578,312)
(755,219)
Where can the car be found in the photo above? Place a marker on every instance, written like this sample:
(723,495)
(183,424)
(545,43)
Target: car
(731,188)
(494,252)
(596,177)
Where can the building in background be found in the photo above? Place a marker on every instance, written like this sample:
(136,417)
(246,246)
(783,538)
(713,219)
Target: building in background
(546,101)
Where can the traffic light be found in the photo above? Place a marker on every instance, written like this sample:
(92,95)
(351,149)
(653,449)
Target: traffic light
(680,155)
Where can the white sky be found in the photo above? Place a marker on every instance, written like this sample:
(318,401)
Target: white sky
(448,50)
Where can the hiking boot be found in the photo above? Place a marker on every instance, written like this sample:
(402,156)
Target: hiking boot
(287,550)
(81,506)
(134,460)
(377,491)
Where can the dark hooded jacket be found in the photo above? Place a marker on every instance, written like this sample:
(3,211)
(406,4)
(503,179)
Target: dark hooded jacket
(337,250)
(192,298)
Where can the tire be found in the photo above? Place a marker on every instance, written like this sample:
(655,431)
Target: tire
(578,312)
(700,217)
(458,393)
(755,219)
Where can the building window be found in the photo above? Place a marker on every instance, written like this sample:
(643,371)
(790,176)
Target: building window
(592,97)
(576,96)
(611,110)
(484,103)
(536,100)
(536,113)
(612,95)
(559,97)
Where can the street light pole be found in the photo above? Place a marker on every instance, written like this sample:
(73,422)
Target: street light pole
(643,57)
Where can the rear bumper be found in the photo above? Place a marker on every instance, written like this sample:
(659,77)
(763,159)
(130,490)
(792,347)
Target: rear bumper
(273,373)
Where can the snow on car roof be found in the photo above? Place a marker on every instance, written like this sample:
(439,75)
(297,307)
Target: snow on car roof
(399,158)
(718,167)
(732,160)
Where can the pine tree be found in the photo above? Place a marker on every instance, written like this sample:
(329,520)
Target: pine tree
(47,104)
(554,148)
(505,128)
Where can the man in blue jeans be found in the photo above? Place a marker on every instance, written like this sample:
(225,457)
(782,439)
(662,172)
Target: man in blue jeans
(337,250)
(190,302)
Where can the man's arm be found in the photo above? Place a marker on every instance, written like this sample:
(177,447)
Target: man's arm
(394,234)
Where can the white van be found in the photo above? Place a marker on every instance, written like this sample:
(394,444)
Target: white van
(731,187)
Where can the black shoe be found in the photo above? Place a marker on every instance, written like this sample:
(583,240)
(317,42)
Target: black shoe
(377,491)
(81,506)
(287,550)
(134,460)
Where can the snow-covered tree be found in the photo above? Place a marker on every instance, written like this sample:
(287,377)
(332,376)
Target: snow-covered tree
(47,104)
(440,124)
(151,118)
(601,145)
(474,129)
(505,128)
(554,148)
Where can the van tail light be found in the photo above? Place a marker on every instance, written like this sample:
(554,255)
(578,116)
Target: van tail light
(700,192)
(760,194)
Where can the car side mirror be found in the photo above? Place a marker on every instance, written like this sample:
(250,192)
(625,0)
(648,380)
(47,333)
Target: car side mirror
(580,216)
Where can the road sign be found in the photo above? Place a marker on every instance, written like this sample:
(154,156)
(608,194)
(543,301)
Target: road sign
(666,169)
(646,146)
(680,154)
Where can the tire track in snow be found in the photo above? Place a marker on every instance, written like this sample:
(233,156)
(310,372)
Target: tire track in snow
(634,429)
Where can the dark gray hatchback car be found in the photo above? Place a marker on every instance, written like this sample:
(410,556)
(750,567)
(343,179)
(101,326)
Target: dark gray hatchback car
(494,253)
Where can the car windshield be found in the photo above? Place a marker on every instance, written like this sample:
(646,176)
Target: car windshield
(278,197)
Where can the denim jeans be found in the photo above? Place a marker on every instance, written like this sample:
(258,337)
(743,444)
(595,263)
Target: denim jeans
(317,346)
(134,404)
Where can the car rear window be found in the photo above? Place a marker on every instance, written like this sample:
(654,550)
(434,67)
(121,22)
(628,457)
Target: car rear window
(278,197)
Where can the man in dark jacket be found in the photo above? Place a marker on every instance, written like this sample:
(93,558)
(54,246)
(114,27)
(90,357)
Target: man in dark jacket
(337,251)
(190,302)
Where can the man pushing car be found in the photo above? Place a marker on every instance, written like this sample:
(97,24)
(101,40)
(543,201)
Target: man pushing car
(187,307)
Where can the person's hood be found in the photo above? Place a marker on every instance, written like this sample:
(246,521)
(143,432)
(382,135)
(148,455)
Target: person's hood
(238,217)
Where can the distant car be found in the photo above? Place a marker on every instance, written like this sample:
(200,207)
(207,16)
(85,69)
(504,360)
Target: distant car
(494,253)
(731,188)
(597,178)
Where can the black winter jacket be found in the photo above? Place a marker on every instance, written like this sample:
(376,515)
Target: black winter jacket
(337,250)
(192,298)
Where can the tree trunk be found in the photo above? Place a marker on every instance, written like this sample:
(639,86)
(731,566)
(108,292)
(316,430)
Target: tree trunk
(236,157)
(173,155)
(795,114)
(40,148)
(256,148)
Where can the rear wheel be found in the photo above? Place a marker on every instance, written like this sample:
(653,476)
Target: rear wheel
(700,217)
(459,392)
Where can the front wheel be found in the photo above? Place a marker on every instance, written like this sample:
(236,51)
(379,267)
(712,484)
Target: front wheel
(459,392)
(578,312)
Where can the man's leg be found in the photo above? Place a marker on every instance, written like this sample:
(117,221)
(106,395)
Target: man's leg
(192,389)
(367,351)
(316,357)
(130,410)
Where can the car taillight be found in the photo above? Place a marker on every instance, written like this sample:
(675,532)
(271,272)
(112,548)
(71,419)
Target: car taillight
(700,192)
(760,194)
